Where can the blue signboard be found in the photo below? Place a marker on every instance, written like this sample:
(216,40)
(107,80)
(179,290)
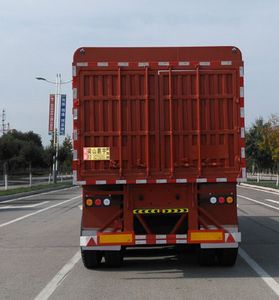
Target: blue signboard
(62,115)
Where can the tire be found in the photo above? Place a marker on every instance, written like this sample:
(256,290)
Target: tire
(207,257)
(91,259)
(114,258)
(227,257)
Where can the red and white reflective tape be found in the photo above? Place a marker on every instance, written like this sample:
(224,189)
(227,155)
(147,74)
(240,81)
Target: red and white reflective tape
(158,181)
(154,64)
(231,241)
(160,239)
(242,176)
(183,63)
(232,238)
(82,64)
(148,239)
(75,124)
(75,135)
(88,241)
(74,154)
(226,62)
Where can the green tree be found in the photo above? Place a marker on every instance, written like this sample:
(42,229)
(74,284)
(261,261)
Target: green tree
(19,150)
(65,155)
(258,152)
(9,151)
(32,154)
(273,139)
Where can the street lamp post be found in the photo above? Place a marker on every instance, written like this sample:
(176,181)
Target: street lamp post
(56,118)
(58,82)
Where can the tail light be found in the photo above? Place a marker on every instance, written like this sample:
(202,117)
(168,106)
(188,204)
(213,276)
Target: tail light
(88,202)
(106,202)
(229,200)
(213,200)
(221,200)
(98,202)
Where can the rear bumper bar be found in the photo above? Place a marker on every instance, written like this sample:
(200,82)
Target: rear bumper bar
(114,241)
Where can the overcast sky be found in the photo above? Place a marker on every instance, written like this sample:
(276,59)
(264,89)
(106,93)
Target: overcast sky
(38,38)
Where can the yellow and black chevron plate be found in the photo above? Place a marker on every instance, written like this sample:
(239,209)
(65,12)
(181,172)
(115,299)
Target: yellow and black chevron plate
(146,211)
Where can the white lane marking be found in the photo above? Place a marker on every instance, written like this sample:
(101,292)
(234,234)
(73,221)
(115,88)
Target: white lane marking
(257,189)
(58,278)
(259,202)
(260,271)
(37,212)
(38,194)
(274,201)
(23,206)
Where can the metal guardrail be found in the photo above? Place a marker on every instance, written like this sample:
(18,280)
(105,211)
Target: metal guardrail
(12,181)
(264,177)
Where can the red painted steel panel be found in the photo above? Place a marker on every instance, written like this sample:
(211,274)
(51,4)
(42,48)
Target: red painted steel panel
(161,121)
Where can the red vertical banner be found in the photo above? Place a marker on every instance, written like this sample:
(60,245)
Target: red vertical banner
(51,113)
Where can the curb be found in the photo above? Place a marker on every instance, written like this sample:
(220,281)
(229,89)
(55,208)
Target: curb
(26,194)
(257,187)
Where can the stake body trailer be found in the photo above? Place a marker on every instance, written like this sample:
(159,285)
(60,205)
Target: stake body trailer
(158,149)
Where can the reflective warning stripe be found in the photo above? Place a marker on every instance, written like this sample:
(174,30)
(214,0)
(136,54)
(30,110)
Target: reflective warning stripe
(160,239)
(88,241)
(160,64)
(183,63)
(226,62)
(102,64)
(115,238)
(242,175)
(174,210)
(145,211)
(233,237)
(204,63)
(207,236)
(82,64)
(231,240)
(161,181)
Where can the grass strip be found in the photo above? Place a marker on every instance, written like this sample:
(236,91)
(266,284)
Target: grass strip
(51,186)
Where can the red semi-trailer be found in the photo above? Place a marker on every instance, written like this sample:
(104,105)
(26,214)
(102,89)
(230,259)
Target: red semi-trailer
(158,149)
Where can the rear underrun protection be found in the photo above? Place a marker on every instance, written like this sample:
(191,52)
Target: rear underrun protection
(132,216)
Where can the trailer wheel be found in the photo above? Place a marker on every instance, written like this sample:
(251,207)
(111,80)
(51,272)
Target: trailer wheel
(114,258)
(227,257)
(91,259)
(207,257)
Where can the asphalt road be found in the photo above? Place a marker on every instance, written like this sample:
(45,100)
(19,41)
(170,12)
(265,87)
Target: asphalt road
(39,256)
